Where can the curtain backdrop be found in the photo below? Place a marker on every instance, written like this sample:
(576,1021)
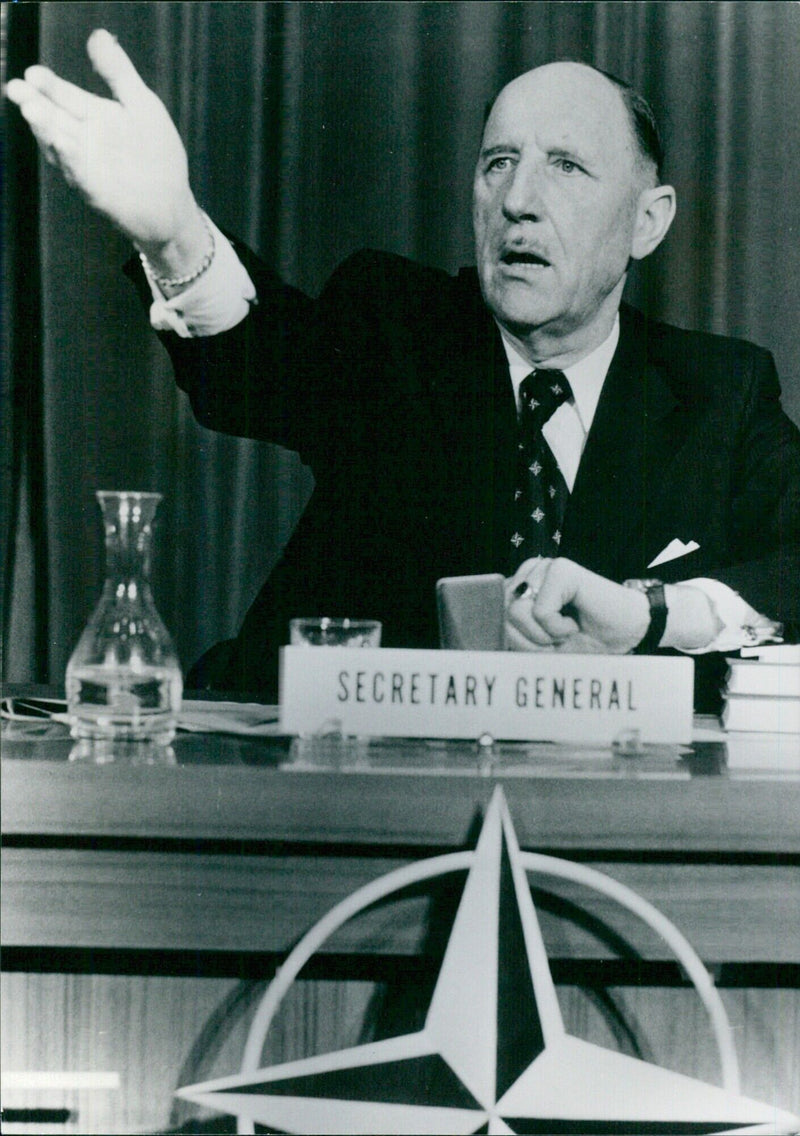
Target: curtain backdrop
(313,129)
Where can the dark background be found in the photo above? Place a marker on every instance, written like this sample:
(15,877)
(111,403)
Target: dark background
(314,129)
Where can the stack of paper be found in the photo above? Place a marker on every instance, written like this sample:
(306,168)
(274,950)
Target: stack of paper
(762,691)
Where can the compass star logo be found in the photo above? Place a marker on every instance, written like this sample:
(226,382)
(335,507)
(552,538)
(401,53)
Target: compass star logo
(493,1055)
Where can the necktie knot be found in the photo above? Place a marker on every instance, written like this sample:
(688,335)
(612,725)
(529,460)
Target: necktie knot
(540,394)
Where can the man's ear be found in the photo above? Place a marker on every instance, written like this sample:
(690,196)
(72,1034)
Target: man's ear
(654,214)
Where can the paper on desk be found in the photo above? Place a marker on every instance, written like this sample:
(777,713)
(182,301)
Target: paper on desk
(751,752)
(786,653)
(252,719)
(249,718)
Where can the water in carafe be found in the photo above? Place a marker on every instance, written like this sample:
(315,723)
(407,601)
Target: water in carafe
(124,683)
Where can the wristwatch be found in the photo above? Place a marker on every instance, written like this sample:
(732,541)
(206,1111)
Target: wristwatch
(654,590)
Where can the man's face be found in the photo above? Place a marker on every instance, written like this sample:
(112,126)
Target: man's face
(555,202)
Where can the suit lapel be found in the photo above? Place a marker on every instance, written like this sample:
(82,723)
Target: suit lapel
(612,520)
(613,510)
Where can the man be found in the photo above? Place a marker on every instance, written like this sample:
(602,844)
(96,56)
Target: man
(406,390)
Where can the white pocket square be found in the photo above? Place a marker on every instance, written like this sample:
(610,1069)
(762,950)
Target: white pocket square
(674,549)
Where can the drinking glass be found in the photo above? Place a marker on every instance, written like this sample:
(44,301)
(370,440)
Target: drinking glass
(326,632)
(328,747)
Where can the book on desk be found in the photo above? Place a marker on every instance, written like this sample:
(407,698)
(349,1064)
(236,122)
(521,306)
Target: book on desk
(762,691)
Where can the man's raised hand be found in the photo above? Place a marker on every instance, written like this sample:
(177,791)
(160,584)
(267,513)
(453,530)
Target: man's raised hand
(123,153)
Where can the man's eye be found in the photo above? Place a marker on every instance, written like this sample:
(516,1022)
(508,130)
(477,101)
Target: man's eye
(499,164)
(567,166)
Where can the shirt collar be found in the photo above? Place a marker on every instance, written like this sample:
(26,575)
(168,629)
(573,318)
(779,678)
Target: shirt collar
(586,377)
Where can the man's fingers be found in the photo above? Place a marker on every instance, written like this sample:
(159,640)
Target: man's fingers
(516,641)
(556,625)
(19,91)
(581,644)
(66,96)
(561,581)
(521,592)
(114,67)
(51,126)
(519,617)
(531,569)
(53,130)
(526,581)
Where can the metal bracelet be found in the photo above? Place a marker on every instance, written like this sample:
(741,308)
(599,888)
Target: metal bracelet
(184,281)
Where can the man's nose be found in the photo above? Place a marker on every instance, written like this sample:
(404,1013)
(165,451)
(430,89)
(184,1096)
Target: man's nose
(522,200)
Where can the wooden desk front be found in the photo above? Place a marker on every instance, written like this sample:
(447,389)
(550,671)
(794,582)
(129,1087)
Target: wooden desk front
(226,852)
(116,877)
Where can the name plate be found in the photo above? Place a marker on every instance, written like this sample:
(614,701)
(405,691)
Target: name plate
(392,692)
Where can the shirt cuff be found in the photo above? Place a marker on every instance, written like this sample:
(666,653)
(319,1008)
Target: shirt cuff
(216,302)
(742,625)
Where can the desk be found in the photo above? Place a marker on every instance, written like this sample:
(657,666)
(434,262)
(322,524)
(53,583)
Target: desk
(211,868)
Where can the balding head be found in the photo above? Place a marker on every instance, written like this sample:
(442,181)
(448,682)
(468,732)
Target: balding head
(645,131)
(564,197)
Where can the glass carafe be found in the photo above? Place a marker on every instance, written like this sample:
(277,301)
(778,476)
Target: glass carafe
(123,680)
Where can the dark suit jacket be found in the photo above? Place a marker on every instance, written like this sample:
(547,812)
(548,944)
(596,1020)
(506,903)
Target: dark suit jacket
(394,388)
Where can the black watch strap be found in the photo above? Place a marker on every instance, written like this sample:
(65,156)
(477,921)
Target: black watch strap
(654,590)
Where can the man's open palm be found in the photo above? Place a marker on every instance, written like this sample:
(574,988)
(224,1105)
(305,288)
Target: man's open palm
(123,153)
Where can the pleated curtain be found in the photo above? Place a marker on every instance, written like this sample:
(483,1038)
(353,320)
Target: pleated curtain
(314,129)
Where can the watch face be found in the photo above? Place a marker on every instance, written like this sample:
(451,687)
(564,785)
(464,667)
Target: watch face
(642,585)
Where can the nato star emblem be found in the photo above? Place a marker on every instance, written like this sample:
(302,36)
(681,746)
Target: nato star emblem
(493,1055)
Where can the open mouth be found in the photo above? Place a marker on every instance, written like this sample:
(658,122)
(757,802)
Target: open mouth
(513,258)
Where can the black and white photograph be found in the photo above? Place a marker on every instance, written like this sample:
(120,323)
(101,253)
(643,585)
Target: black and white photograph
(460,337)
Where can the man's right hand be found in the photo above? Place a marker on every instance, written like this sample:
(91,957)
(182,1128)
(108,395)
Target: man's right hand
(568,608)
(123,154)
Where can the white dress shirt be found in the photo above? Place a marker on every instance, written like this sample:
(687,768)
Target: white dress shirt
(567,429)
(222,296)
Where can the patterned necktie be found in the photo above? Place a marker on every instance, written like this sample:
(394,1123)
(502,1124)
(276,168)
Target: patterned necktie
(541,493)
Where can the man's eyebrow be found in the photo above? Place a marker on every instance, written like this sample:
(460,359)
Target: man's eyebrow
(573,152)
(502,148)
(586,159)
